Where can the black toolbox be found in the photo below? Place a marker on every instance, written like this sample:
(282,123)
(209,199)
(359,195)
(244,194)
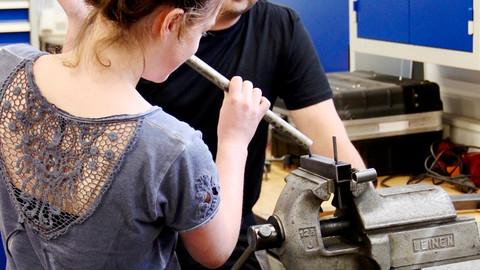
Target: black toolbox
(360,95)
(392,122)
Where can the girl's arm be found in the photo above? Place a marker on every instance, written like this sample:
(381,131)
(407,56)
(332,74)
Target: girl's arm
(243,108)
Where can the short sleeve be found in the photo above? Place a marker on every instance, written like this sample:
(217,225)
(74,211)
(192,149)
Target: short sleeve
(305,80)
(12,55)
(24,51)
(189,193)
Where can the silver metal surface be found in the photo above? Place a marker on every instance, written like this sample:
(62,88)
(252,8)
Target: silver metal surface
(276,121)
(367,175)
(404,205)
(435,244)
(466,201)
(396,125)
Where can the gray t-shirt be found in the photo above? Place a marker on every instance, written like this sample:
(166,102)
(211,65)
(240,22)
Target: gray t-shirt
(94,193)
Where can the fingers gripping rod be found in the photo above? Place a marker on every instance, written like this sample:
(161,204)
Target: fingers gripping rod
(276,121)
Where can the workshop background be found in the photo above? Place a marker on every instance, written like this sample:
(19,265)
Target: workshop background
(401,44)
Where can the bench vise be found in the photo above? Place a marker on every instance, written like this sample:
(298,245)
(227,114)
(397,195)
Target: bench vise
(408,227)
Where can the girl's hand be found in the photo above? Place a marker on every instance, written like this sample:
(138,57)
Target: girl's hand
(243,108)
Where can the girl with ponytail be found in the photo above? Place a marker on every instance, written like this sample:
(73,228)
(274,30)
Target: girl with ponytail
(94,177)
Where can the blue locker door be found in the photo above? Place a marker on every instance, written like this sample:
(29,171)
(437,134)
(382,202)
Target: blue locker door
(17,37)
(327,24)
(13,15)
(442,24)
(386,20)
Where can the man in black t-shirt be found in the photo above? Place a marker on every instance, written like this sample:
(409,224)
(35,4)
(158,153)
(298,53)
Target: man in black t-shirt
(268,45)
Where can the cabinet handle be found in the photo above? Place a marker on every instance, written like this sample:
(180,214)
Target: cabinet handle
(356,5)
(470,25)
(470,28)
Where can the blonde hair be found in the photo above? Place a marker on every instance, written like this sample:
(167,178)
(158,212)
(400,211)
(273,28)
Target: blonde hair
(123,17)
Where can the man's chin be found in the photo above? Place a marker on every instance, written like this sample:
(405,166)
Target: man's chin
(156,79)
(237,7)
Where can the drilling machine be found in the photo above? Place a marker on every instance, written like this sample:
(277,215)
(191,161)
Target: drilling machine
(408,227)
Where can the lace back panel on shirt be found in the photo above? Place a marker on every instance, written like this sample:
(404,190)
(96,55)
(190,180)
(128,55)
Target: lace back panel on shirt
(57,169)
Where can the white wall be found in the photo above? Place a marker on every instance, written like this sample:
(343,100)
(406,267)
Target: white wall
(52,23)
(460,91)
(384,65)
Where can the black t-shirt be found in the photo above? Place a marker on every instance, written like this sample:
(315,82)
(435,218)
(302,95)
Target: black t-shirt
(268,46)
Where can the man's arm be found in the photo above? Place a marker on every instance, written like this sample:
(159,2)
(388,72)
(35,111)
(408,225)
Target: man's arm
(320,122)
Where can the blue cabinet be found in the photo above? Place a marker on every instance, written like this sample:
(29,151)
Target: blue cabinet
(327,24)
(16,37)
(444,32)
(442,24)
(13,15)
(14,22)
(383,20)
(433,23)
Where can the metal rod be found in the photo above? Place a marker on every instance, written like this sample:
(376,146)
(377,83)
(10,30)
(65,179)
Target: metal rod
(243,258)
(276,121)
(334,226)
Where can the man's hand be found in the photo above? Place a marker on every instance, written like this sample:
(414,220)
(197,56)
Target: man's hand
(76,11)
